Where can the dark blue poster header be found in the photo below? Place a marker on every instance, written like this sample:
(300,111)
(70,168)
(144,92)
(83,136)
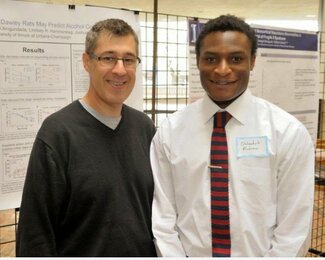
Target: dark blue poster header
(276,39)
(269,38)
(195,27)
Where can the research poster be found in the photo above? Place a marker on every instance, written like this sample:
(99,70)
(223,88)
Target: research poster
(41,71)
(286,71)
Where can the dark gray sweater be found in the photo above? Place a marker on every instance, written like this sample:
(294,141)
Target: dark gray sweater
(88,188)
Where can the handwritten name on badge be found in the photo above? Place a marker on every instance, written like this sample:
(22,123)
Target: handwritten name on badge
(252,146)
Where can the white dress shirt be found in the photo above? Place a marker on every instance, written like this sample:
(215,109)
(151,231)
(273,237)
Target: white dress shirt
(271,180)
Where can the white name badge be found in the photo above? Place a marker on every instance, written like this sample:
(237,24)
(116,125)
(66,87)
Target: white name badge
(252,146)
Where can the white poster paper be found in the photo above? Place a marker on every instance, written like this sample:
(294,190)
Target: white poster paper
(286,71)
(40,72)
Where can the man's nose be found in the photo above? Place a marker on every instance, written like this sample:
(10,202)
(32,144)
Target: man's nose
(222,68)
(119,68)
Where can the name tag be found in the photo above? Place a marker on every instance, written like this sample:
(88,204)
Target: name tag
(252,146)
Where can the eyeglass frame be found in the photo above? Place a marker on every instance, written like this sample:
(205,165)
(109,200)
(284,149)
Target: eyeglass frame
(116,59)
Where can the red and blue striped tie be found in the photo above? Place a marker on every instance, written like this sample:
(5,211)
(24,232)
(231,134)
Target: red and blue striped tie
(220,224)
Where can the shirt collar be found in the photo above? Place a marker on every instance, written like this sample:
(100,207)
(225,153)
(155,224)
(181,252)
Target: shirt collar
(239,109)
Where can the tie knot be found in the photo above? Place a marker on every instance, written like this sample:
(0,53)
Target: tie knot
(221,119)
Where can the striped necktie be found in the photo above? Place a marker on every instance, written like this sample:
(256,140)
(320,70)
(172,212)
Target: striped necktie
(220,224)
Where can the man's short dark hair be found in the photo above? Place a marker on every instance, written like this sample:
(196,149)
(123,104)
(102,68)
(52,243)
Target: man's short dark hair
(112,26)
(225,23)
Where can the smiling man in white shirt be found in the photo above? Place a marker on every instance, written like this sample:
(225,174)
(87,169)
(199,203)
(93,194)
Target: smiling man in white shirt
(270,157)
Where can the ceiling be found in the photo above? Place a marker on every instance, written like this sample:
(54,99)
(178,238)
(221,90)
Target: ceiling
(249,9)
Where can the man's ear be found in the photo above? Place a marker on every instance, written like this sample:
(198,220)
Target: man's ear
(253,58)
(197,61)
(86,60)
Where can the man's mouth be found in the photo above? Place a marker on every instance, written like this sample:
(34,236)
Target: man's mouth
(223,82)
(117,84)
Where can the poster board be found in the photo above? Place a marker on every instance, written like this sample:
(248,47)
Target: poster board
(41,71)
(286,71)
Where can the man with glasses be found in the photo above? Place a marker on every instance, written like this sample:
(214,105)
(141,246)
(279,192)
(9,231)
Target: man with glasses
(89,186)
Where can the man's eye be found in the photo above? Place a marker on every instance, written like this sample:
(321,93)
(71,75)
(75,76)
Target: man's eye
(128,60)
(211,60)
(236,59)
(108,59)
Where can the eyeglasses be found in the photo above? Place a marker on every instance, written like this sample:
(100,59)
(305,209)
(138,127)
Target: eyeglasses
(110,61)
